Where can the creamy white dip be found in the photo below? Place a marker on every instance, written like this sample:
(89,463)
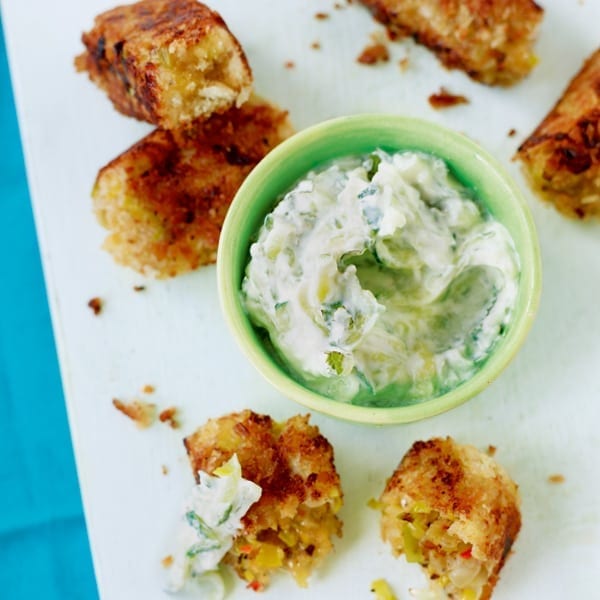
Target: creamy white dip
(380,280)
(211,518)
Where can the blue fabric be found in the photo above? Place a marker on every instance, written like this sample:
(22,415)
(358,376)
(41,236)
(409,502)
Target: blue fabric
(44,549)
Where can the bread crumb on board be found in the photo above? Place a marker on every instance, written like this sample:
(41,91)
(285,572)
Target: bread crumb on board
(446,99)
(96,304)
(373,54)
(169,415)
(142,413)
(556,478)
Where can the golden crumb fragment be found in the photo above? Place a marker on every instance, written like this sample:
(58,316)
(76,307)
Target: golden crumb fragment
(167,62)
(454,511)
(164,469)
(556,478)
(139,288)
(491,450)
(96,304)
(148,389)
(167,561)
(321,16)
(292,525)
(512,132)
(445,99)
(289,64)
(491,41)
(143,413)
(316,45)
(404,63)
(169,416)
(561,158)
(373,54)
(164,200)
(382,590)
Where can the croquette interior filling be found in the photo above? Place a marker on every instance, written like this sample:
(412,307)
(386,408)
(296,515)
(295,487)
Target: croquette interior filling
(201,79)
(296,544)
(425,538)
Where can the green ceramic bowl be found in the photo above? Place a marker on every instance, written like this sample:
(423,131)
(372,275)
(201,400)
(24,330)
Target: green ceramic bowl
(361,134)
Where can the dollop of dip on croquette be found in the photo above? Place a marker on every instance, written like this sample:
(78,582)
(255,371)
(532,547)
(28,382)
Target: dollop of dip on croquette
(211,518)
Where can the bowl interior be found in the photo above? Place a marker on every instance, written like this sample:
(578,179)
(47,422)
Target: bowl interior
(361,134)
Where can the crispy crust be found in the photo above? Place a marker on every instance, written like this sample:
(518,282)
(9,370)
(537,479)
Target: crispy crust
(491,40)
(561,158)
(464,491)
(301,494)
(164,200)
(146,55)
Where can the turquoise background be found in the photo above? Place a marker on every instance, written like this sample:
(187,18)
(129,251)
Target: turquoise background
(44,549)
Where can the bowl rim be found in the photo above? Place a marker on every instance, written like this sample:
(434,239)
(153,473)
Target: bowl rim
(434,134)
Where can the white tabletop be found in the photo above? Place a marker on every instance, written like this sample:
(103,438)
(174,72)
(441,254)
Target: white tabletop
(542,413)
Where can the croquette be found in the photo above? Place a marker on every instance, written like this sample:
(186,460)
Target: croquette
(561,158)
(167,62)
(164,200)
(491,40)
(292,524)
(455,511)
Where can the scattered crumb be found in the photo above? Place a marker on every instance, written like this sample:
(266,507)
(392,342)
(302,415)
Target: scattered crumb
(491,450)
(321,16)
(374,504)
(167,561)
(143,413)
(556,478)
(169,415)
(96,305)
(316,45)
(382,590)
(289,64)
(139,288)
(512,133)
(446,99)
(148,389)
(373,54)
(165,470)
(403,63)
(338,6)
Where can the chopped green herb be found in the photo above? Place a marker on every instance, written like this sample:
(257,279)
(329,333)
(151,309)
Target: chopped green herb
(226,515)
(198,523)
(203,546)
(375,162)
(370,190)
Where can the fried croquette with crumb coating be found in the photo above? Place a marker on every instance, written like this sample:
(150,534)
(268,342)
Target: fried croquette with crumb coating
(164,200)
(491,40)
(561,158)
(166,61)
(455,511)
(292,524)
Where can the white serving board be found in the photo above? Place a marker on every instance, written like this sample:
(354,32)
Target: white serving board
(542,413)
